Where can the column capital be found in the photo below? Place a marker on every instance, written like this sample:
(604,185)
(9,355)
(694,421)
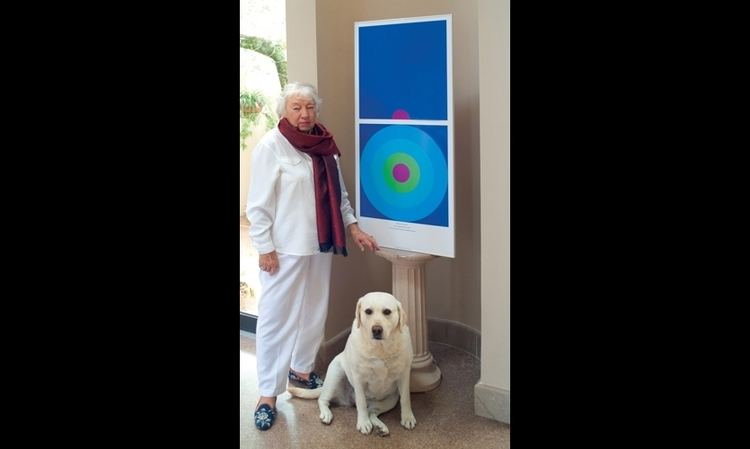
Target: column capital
(403,257)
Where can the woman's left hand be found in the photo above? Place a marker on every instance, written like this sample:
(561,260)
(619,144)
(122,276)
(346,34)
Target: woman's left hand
(363,239)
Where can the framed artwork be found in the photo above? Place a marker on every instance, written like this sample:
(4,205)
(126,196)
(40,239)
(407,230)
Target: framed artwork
(404,132)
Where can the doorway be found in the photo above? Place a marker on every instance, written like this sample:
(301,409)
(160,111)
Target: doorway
(262,69)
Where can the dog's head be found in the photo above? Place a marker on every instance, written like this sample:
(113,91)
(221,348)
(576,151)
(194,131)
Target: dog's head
(379,314)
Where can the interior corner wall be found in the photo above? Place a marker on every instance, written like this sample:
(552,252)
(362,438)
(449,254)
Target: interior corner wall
(492,393)
(452,285)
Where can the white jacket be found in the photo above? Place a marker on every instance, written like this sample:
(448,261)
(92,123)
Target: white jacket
(281,199)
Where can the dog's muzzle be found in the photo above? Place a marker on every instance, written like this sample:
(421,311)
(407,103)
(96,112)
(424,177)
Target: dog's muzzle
(377,332)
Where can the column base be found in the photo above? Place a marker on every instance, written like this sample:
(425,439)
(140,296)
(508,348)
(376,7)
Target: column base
(425,374)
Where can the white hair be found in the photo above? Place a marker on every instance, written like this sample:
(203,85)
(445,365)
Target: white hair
(297,89)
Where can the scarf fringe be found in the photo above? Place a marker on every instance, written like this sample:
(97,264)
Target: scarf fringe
(327,247)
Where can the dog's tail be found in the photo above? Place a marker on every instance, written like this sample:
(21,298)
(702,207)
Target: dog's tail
(305,393)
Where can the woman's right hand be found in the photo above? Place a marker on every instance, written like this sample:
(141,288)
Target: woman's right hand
(269,262)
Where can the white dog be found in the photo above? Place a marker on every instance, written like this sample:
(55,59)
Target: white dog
(373,371)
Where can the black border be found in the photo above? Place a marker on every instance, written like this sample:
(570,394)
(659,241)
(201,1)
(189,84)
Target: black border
(141,207)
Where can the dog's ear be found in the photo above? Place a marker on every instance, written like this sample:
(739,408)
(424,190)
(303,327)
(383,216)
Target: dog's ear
(401,316)
(357,315)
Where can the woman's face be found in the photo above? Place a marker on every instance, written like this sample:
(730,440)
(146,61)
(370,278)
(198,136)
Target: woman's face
(300,111)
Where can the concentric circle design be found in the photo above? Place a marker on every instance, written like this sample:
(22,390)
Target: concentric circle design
(400,172)
(403,172)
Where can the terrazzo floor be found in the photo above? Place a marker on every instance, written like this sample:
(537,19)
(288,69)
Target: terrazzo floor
(445,415)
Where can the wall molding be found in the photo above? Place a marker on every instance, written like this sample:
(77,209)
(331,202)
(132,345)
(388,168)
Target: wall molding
(456,335)
(330,349)
(447,332)
(492,402)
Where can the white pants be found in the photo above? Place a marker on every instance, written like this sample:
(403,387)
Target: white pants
(291,319)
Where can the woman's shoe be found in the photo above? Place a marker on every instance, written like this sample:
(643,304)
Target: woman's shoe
(313,382)
(264,417)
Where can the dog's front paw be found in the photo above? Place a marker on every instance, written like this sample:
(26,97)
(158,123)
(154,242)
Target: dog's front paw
(326,416)
(408,420)
(364,426)
(379,426)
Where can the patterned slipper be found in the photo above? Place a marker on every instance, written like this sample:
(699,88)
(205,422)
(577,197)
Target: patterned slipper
(313,382)
(264,417)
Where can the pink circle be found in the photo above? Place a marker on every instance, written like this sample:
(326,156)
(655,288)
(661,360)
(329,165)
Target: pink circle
(401,172)
(400,114)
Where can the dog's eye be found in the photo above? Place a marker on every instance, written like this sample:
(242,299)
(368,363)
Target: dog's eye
(386,311)
(368,311)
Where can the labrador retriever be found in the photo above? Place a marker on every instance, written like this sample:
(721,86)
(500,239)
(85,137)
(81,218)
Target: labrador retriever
(373,371)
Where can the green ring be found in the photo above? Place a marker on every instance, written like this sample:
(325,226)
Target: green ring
(411,163)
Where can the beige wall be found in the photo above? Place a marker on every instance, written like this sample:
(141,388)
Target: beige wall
(453,285)
(301,52)
(492,398)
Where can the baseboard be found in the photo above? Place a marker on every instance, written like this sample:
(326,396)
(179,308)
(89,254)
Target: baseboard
(329,349)
(447,332)
(248,322)
(455,334)
(492,402)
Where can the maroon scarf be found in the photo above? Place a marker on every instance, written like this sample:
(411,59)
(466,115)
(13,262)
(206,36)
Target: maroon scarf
(320,146)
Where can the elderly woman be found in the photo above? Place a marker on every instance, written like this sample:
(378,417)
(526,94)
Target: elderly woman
(298,209)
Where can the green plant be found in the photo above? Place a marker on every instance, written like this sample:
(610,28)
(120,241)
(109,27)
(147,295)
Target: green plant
(253,107)
(273,50)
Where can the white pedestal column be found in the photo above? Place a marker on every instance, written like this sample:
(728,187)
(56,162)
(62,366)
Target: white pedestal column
(409,288)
